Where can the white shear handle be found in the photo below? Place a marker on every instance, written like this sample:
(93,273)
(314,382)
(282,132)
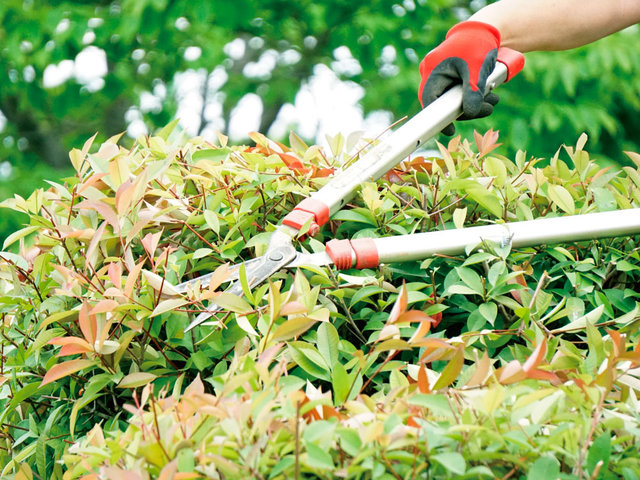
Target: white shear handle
(393,149)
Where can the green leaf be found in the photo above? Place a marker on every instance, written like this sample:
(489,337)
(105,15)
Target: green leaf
(471,279)
(16,260)
(41,455)
(544,467)
(291,328)
(231,302)
(562,198)
(213,222)
(353,216)
(93,390)
(489,311)
(452,461)
(318,458)
(309,359)
(451,371)
(365,292)
(459,289)
(350,441)
(599,451)
(341,384)
(592,317)
(328,342)
(459,216)
(186,460)
(486,200)
(168,305)
(23,232)
(136,379)
(437,403)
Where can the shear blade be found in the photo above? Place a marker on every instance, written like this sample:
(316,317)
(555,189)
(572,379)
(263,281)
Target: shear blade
(279,254)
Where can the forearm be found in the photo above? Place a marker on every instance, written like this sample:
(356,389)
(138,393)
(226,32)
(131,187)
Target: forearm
(528,25)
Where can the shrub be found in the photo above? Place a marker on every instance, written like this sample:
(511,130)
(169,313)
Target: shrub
(497,363)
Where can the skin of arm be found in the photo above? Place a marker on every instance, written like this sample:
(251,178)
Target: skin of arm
(531,25)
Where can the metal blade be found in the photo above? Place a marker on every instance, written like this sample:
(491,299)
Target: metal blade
(320,259)
(204,280)
(279,254)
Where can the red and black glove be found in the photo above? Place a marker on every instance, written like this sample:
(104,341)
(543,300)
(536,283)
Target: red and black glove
(467,56)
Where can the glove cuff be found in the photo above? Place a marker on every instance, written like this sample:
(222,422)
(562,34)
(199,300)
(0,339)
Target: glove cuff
(471,27)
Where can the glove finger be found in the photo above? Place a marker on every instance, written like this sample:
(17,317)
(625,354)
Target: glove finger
(436,85)
(491,98)
(471,103)
(449,130)
(485,109)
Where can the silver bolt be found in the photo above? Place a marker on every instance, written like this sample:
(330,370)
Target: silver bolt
(276,256)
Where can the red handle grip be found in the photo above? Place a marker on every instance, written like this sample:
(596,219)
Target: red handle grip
(512,59)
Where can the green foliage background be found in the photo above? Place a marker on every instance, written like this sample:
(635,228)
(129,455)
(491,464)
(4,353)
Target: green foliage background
(558,96)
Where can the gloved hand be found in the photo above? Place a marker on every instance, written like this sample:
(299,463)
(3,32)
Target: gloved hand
(467,56)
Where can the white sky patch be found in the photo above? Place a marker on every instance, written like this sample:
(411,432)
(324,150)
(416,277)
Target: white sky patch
(245,117)
(235,49)
(55,75)
(345,63)
(188,87)
(135,123)
(263,67)
(327,106)
(63,26)
(91,67)
(192,53)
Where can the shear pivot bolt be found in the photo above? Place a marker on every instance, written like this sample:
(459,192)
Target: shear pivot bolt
(276,256)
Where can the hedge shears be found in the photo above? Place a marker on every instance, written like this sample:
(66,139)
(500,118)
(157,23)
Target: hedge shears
(314,211)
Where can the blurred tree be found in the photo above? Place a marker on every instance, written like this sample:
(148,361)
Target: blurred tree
(50,104)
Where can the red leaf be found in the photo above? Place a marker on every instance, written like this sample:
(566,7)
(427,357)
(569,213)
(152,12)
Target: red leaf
(400,305)
(487,142)
(67,350)
(322,172)
(88,324)
(65,368)
(422,330)
(544,375)
(134,274)
(220,275)
(411,316)
(292,162)
(115,274)
(104,306)
(512,372)
(412,423)
(103,209)
(81,342)
(150,243)
(124,196)
(423,380)
(91,181)
(618,342)
(536,357)
(481,373)
(518,280)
